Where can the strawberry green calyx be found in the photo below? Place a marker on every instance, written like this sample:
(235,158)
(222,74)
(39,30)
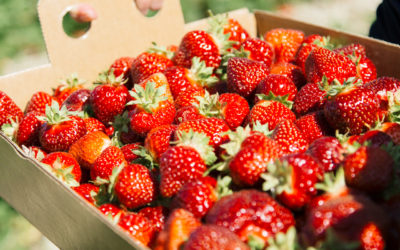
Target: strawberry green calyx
(10,129)
(221,70)
(202,74)
(278,179)
(145,158)
(71,82)
(161,50)
(223,186)
(216,30)
(271,97)
(62,173)
(337,87)
(54,115)
(235,140)
(102,197)
(209,105)
(325,43)
(333,241)
(113,179)
(149,97)
(121,122)
(332,183)
(255,242)
(199,142)
(30,153)
(108,77)
(262,128)
(287,241)
(394,106)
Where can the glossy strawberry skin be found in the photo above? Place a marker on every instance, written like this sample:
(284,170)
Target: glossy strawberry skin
(355,49)
(147,64)
(188,97)
(244,75)
(179,80)
(197,44)
(212,127)
(122,66)
(366,70)
(313,126)
(135,186)
(77,100)
(111,157)
(187,113)
(110,210)
(247,208)
(234,109)
(38,102)
(259,50)
(322,62)
(327,151)
(85,191)
(393,130)
(196,196)
(61,136)
(352,110)
(108,101)
(28,129)
(271,113)
(92,125)
(61,93)
(309,98)
(374,138)
(381,86)
(290,70)
(285,42)
(137,226)
(279,85)
(156,216)
(237,33)
(8,109)
(179,165)
(158,139)
(289,137)
(128,149)
(66,160)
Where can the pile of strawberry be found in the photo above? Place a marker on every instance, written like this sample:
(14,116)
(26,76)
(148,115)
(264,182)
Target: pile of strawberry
(229,142)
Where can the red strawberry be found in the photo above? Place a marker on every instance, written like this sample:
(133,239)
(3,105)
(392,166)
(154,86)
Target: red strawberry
(289,138)
(243,75)
(322,62)
(156,216)
(138,227)
(200,44)
(158,139)
(77,100)
(92,125)
(135,186)
(366,69)
(128,149)
(309,98)
(259,50)
(355,49)
(279,85)
(309,43)
(111,210)
(147,64)
(87,191)
(184,162)
(352,109)
(34,152)
(197,196)
(64,166)
(67,87)
(109,98)
(61,128)
(214,128)
(313,126)
(327,151)
(8,110)
(293,72)
(292,179)
(368,169)
(285,42)
(250,212)
(121,131)
(122,66)
(28,129)
(187,113)
(371,237)
(111,157)
(214,237)
(392,129)
(38,102)
(374,138)
(381,87)
(188,97)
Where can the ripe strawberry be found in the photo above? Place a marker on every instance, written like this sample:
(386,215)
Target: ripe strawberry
(111,210)
(381,87)
(322,62)
(327,151)
(89,147)
(313,126)
(200,44)
(178,227)
(214,237)
(196,196)
(374,138)
(61,129)
(198,76)
(67,87)
(34,152)
(250,212)
(128,149)
(293,72)
(188,97)
(309,98)
(135,186)
(108,99)
(38,102)
(355,49)
(87,191)
(289,138)
(121,131)
(137,226)
(8,110)
(279,85)
(371,237)
(310,42)
(147,64)
(366,69)
(77,100)
(156,216)
(28,129)
(184,162)
(122,66)
(214,128)
(111,157)
(368,169)
(187,113)
(92,125)
(392,129)
(158,139)
(352,109)
(292,179)
(285,42)
(271,110)
(152,107)
(243,75)
(259,50)
(64,167)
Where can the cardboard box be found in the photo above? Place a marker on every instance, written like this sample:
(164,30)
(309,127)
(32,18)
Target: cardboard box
(120,30)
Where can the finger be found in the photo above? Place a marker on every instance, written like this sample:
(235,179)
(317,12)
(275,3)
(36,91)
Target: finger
(143,5)
(156,4)
(83,13)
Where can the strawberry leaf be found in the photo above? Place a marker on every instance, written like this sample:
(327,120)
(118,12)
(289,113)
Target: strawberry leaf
(278,179)
(161,50)
(287,241)
(203,74)
(149,97)
(209,105)
(332,183)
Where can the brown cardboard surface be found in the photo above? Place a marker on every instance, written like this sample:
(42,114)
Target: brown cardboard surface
(47,203)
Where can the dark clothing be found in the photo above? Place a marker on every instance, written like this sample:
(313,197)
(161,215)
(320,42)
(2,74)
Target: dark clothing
(387,24)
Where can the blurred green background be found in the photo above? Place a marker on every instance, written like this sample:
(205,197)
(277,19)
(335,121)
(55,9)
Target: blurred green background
(22,46)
